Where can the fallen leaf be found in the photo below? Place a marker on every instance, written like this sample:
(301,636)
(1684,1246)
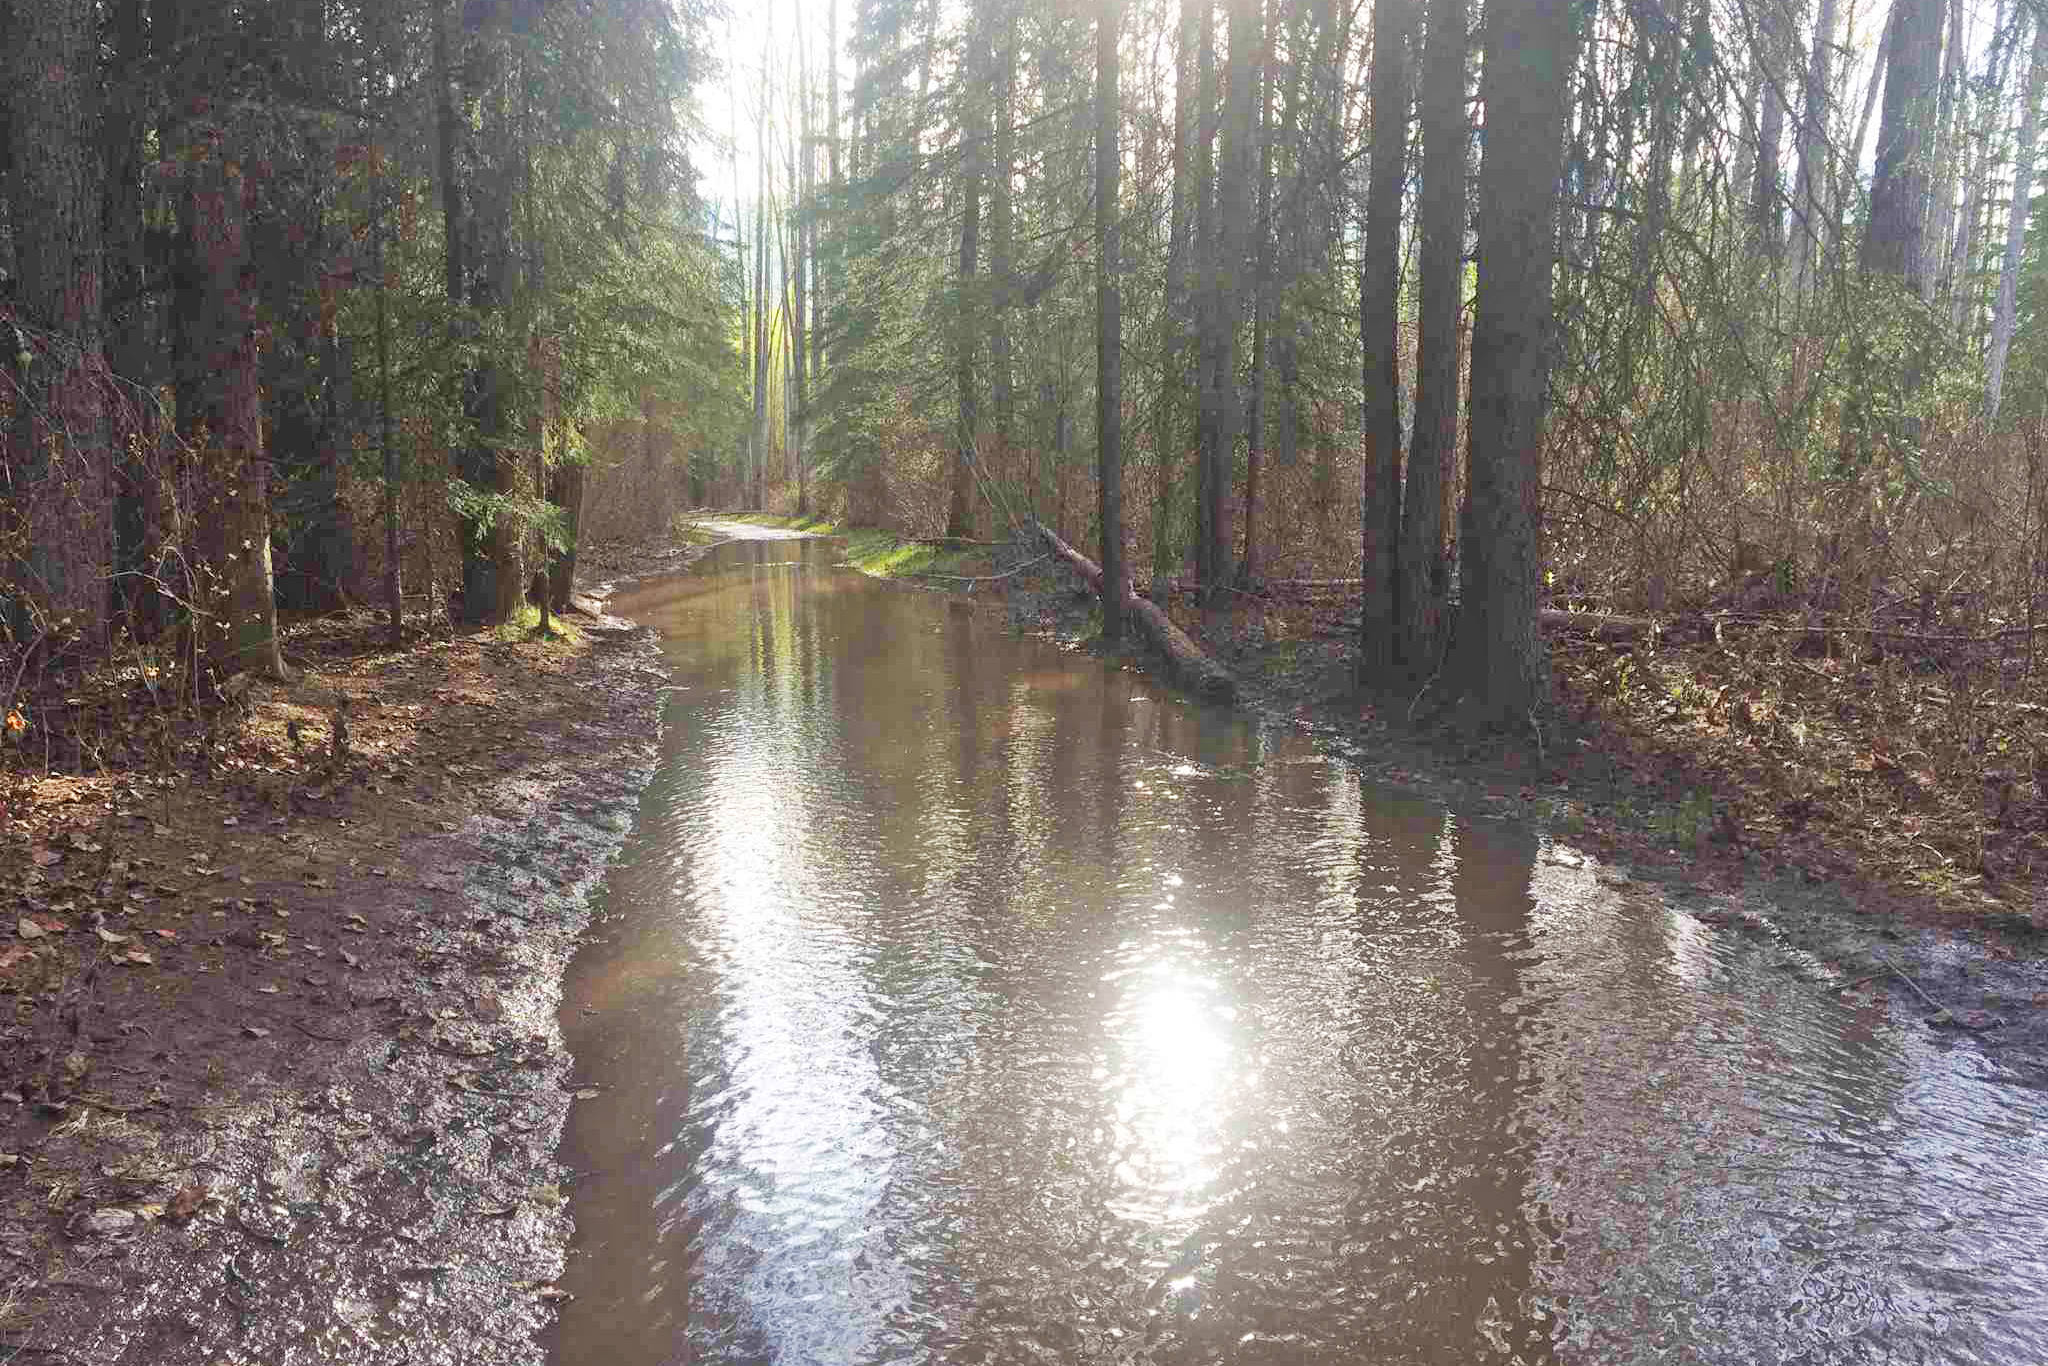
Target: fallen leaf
(269,991)
(28,929)
(186,1202)
(14,955)
(135,956)
(349,958)
(43,856)
(165,934)
(253,1032)
(107,936)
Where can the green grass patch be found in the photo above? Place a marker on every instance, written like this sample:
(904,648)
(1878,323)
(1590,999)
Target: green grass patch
(884,556)
(525,625)
(817,526)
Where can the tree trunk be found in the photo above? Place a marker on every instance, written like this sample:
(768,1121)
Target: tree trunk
(2007,310)
(1109,388)
(1529,47)
(1949,153)
(1767,192)
(1440,219)
(967,336)
(1002,263)
(1261,285)
(1231,277)
(220,415)
(1379,325)
(1209,252)
(1812,226)
(59,546)
(1170,412)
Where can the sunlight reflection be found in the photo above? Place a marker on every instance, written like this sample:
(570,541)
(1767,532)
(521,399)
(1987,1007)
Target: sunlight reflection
(1171,1102)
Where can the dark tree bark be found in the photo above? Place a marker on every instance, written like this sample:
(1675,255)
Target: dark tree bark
(1894,244)
(220,413)
(1208,251)
(1440,221)
(1109,389)
(1379,303)
(1230,282)
(59,541)
(1529,48)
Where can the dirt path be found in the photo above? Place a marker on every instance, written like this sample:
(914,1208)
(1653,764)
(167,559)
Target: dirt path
(283,1077)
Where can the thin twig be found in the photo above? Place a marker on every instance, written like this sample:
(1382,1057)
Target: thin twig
(1897,972)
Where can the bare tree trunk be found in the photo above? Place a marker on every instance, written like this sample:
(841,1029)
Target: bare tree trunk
(1529,51)
(1895,242)
(1440,266)
(1002,264)
(1109,394)
(1169,418)
(1209,250)
(2007,310)
(1812,230)
(967,337)
(1767,192)
(1950,154)
(1379,325)
(1231,276)
(58,536)
(1262,277)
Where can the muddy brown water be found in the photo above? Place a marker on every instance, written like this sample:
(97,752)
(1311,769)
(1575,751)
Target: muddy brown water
(959,1000)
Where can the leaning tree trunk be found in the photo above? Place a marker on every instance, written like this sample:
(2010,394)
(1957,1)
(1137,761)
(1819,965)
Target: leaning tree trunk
(1529,48)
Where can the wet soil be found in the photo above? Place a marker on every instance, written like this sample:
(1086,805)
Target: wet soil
(283,1078)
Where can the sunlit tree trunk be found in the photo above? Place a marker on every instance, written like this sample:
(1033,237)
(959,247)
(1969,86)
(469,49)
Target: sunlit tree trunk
(2007,309)
(1812,230)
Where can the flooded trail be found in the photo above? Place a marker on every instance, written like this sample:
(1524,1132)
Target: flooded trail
(960,1000)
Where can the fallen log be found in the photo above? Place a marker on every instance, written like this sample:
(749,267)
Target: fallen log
(1196,671)
(1598,625)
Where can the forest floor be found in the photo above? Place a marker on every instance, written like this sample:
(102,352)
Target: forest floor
(282,1079)
(282,1074)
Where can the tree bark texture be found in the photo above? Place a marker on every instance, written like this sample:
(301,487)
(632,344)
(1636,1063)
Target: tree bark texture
(1379,303)
(1529,50)
(1109,387)
(2005,314)
(1433,455)
(59,532)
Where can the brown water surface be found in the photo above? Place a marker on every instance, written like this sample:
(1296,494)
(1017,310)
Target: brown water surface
(961,1000)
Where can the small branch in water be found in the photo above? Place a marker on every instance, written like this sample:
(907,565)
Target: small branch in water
(1898,973)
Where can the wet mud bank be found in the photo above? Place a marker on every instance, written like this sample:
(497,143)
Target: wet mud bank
(392,1194)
